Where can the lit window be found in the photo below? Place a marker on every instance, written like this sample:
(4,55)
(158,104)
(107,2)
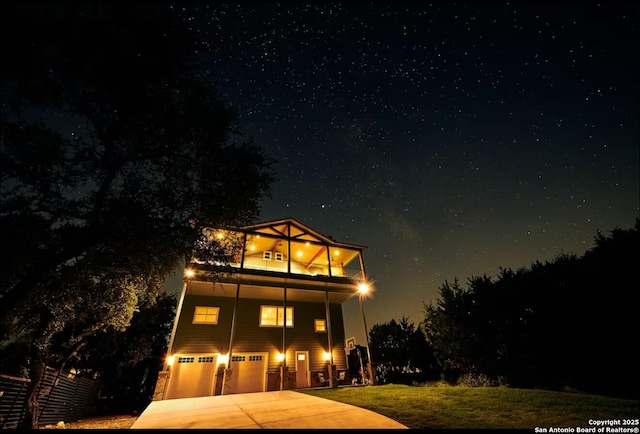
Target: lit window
(320,325)
(266,255)
(273,316)
(206,315)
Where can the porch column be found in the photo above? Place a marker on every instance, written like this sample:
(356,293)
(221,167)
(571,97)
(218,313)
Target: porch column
(283,367)
(175,321)
(331,367)
(371,367)
(228,372)
(165,375)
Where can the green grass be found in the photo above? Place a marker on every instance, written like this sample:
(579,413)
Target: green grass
(455,407)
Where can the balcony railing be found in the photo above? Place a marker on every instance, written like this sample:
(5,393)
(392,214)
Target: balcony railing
(271,265)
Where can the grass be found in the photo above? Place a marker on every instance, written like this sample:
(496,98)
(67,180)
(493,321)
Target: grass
(455,407)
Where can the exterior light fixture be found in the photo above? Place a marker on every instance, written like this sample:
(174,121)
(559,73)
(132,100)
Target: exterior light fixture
(223,359)
(189,273)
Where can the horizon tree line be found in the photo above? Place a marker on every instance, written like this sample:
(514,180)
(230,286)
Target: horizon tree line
(564,324)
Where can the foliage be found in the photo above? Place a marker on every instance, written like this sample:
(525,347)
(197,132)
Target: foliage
(476,380)
(401,353)
(445,333)
(127,363)
(114,155)
(438,406)
(555,325)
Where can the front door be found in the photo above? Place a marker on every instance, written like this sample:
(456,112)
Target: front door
(302,369)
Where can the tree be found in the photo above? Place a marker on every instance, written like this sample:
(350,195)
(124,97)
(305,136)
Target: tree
(446,329)
(114,155)
(127,363)
(401,352)
(538,327)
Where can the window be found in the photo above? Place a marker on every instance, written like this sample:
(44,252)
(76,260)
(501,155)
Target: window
(320,325)
(279,256)
(273,316)
(266,254)
(206,315)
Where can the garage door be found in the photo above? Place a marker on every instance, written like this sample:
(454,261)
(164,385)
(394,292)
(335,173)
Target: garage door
(249,372)
(191,376)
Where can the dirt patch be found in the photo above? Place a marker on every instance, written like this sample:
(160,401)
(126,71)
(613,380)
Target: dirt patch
(98,422)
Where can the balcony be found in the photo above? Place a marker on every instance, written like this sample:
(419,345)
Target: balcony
(258,262)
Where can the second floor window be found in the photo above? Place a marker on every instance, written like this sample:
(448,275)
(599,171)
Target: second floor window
(206,315)
(320,325)
(273,316)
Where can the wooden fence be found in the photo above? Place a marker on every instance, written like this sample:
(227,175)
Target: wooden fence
(61,397)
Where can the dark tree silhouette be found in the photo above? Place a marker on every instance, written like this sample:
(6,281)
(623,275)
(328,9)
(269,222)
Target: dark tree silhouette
(447,331)
(401,353)
(127,363)
(114,155)
(554,325)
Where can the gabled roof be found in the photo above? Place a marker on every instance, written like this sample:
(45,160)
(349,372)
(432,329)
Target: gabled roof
(299,231)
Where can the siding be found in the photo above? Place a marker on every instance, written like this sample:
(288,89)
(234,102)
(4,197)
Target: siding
(250,337)
(204,338)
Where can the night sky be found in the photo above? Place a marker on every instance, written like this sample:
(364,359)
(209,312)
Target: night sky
(451,139)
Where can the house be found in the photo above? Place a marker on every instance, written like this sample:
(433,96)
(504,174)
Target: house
(272,320)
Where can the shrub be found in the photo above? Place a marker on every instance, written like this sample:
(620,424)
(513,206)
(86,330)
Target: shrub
(476,380)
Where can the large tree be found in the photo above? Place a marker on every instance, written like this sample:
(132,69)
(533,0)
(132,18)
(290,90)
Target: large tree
(114,154)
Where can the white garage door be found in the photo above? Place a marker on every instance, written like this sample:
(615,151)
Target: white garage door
(249,373)
(192,375)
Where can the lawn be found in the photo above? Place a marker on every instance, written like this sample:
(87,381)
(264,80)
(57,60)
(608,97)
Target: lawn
(455,407)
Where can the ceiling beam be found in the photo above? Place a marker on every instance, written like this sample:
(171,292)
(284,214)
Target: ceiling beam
(318,253)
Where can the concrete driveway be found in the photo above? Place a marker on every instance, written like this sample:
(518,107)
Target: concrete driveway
(278,409)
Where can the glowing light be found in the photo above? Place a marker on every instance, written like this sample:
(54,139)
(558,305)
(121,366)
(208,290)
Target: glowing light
(169,360)
(299,254)
(220,235)
(189,273)
(279,357)
(365,289)
(326,356)
(223,359)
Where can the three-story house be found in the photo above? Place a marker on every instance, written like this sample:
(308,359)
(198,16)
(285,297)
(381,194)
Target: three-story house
(272,320)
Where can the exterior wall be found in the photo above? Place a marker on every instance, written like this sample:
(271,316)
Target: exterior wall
(203,338)
(250,337)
